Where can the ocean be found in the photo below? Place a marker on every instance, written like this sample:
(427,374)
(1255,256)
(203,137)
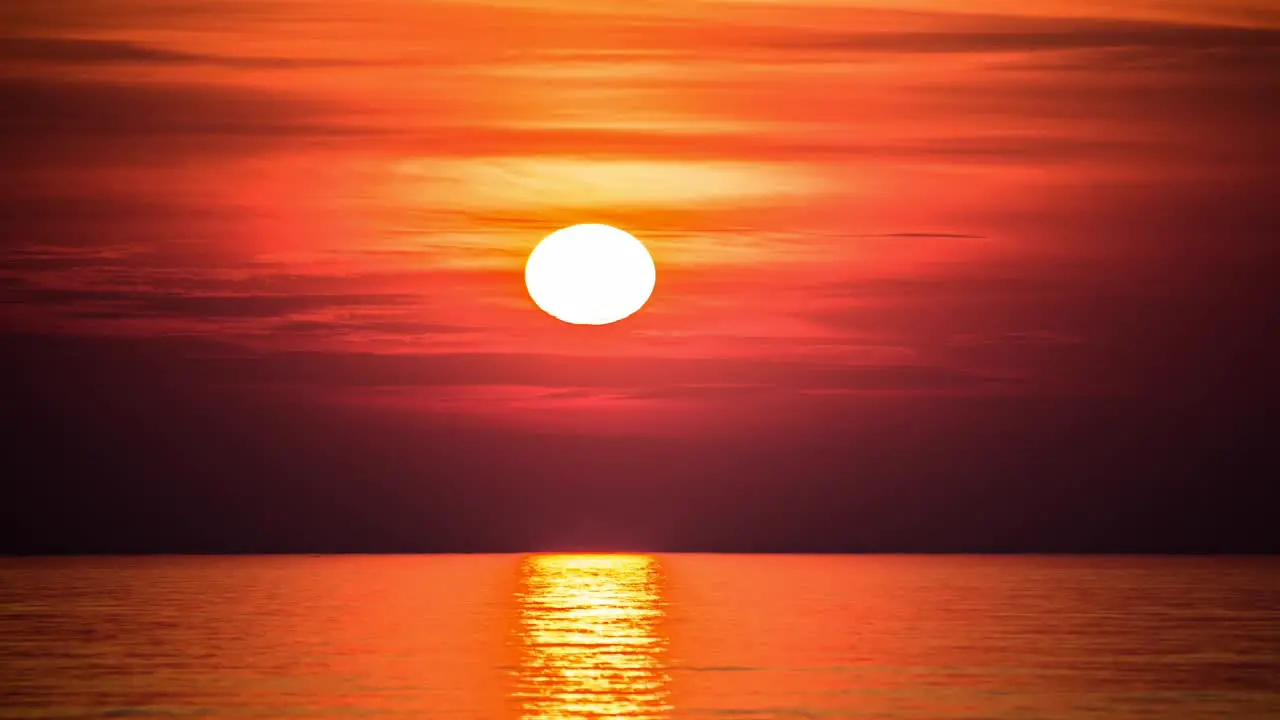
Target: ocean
(640,636)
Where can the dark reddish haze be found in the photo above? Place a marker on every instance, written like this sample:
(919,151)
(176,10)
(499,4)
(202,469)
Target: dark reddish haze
(999,279)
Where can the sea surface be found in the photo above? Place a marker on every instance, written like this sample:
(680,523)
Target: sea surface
(640,636)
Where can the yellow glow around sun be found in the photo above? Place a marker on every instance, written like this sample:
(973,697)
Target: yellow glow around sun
(590,274)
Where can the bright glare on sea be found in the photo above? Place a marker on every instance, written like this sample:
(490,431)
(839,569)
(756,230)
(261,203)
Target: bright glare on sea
(640,636)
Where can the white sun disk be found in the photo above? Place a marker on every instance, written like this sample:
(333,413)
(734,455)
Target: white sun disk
(590,274)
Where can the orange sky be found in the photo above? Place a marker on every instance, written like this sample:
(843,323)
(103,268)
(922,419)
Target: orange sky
(822,186)
(863,214)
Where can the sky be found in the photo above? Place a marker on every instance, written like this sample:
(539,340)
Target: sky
(932,276)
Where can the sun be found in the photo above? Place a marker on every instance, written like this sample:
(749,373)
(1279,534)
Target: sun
(590,274)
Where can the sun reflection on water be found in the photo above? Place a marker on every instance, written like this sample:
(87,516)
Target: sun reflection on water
(591,640)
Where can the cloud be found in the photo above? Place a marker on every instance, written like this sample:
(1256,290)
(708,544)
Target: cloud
(104,303)
(45,259)
(83,51)
(37,109)
(927,235)
(698,392)
(400,328)
(633,377)
(957,285)
(992,33)
(844,379)
(1023,338)
(1247,61)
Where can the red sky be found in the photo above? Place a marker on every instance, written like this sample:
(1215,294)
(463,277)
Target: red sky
(885,225)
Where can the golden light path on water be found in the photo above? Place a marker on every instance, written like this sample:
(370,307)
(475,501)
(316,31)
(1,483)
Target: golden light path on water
(590,631)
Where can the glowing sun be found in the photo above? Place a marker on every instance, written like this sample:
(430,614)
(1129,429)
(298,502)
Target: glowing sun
(590,274)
